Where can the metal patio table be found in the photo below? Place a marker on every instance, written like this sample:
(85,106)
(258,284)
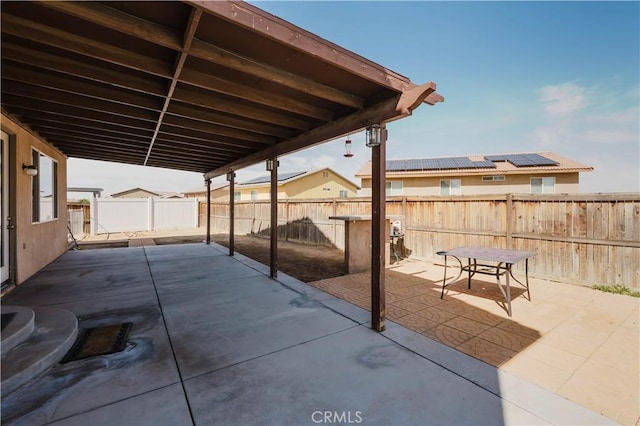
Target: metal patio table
(488,261)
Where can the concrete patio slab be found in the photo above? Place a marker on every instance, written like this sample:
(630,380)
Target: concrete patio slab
(222,343)
(356,372)
(163,407)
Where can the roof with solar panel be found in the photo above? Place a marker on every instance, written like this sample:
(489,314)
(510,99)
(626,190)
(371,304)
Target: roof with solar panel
(480,164)
(284,178)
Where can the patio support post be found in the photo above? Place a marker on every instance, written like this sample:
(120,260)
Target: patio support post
(208,198)
(232,215)
(378,232)
(273,264)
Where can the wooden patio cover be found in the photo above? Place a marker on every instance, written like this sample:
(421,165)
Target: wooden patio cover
(204,86)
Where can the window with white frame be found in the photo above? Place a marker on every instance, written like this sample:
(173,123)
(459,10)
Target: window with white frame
(254,195)
(494,178)
(393,187)
(344,193)
(451,187)
(543,185)
(236,195)
(44,188)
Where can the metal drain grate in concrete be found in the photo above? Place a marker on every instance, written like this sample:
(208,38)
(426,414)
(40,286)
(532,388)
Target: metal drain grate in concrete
(99,341)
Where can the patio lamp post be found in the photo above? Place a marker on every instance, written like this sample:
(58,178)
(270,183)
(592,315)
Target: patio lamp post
(376,138)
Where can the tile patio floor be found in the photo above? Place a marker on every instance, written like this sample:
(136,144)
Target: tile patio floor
(580,343)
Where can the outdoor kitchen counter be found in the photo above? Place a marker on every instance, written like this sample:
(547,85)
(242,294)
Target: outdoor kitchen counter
(357,241)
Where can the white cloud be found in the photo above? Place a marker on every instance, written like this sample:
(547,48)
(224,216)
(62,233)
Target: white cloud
(563,99)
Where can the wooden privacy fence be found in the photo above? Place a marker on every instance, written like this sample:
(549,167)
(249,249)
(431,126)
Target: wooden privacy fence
(582,239)
(86,214)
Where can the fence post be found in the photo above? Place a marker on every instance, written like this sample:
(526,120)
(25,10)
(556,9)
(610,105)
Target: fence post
(335,228)
(150,214)
(509,220)
(196,212)
(93,216)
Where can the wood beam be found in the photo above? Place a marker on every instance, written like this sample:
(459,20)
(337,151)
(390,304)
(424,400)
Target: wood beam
(273,258)
(382,112)
(116,20)
(209,116)
(216,129)
(210,138)
(167,37)
(208,198)
(189,34)
(244,109)
(254,94)
(27,107)
(64,40)
(231,177)
(274,28)
(47,61)
(80,88)
(378,233)
(73,100)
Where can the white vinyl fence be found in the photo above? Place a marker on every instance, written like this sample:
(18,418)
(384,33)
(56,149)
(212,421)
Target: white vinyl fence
(110,215)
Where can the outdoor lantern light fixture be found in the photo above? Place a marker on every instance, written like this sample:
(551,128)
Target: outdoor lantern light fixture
(374,135)
(30,170)
(271,164)
(230,176)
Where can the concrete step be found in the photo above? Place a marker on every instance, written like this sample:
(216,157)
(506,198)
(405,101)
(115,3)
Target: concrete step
(19,329)
(54,333)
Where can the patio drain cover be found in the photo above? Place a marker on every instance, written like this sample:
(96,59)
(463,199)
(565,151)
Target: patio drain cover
(99,341)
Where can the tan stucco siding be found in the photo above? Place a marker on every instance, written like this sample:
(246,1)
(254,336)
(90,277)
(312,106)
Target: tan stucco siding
(317,185)
(37,244)
(262,193)
(473,185)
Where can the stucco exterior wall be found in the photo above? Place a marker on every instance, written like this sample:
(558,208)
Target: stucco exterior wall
(307,187)
(36,244)
(317,185)
(473,185)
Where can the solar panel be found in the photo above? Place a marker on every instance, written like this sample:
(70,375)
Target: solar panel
(483,164)
(393,165)
(447,163)
(414,165)
(523,160)
(530,160)
(267,178)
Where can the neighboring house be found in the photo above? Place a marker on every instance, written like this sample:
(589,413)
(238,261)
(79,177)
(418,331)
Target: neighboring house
(321,183)
(529,173)
(218,193)
(144,193)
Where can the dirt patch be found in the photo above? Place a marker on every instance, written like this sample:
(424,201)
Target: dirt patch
(305,262)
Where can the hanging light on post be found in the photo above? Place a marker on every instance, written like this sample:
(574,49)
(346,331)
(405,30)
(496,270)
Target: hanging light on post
(272,164)
(374,135)
(347,148)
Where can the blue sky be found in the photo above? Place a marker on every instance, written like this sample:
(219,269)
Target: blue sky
(516,77)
